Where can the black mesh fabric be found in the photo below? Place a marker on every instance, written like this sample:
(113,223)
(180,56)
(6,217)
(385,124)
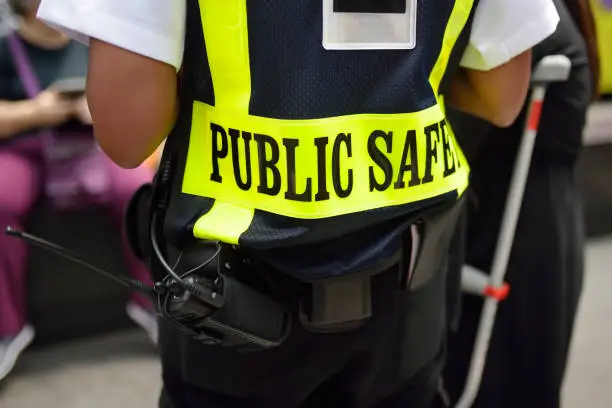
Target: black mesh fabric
(294,77)
(201,79)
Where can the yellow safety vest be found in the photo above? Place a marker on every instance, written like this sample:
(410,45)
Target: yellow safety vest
(314,168)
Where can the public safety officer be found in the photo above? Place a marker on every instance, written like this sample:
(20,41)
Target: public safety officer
(308,138)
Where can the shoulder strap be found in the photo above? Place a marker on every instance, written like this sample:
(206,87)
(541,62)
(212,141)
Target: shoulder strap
(23,65)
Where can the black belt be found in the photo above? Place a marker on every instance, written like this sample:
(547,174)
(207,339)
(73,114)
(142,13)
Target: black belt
(328,305)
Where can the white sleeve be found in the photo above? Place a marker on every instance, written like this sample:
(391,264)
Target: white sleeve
(153,28)
(503,29)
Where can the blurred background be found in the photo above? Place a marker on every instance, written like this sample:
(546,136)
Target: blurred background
(88,353)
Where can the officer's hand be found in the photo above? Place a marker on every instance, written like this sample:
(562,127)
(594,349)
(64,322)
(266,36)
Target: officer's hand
(82,112)
(51,109)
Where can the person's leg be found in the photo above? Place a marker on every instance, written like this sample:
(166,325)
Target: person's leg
(19,187)
(124,185)
(400,359)
(495,387)
(547,287)
(382,364)
(196,375)
(496,383)
(403,381)
(483,220)
(573,251)
(528,350)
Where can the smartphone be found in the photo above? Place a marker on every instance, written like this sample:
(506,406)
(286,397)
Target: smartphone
(71,88)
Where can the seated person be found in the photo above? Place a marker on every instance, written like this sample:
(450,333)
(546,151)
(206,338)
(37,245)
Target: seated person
(33,118)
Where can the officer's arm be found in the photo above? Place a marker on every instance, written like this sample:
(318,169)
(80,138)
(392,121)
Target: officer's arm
(496,95)
(133,102)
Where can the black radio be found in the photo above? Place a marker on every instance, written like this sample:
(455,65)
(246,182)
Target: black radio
(228,313)
(215,309)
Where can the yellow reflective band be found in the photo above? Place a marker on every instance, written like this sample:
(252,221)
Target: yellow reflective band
(322,167)
(215,225)
(227,47)
(456,23)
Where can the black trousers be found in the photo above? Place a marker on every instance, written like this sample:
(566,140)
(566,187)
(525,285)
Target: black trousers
(528,353)
(394,360)
(373,366)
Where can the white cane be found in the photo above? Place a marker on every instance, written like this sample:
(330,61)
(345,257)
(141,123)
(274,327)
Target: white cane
(554,68)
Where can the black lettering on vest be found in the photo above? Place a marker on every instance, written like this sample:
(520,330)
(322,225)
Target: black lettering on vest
(457,158)
(266,164)
(410,145)
(218,152)
(322,193)
(432,150)
(449,154)
(456,153)
(346,140)
(234,134)
(380,159)
(291,193)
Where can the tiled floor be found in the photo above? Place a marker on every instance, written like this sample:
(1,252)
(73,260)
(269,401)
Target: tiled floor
(120,371)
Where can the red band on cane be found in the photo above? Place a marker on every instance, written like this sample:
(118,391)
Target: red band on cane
(500,293)
(534,118)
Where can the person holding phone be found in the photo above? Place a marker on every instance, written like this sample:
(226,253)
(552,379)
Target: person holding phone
(41,90)
(297,83)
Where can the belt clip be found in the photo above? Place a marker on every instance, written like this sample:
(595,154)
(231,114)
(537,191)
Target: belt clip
(339,304)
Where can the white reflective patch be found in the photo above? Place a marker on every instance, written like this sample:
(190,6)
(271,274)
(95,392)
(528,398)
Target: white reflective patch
(369,31)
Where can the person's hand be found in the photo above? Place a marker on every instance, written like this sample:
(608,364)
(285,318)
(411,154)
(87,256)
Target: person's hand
(51,109)
(81,111)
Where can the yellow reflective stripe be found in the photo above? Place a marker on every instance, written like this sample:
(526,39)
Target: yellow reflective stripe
(227,47)
(224,222)
(456,23)
(322,168)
